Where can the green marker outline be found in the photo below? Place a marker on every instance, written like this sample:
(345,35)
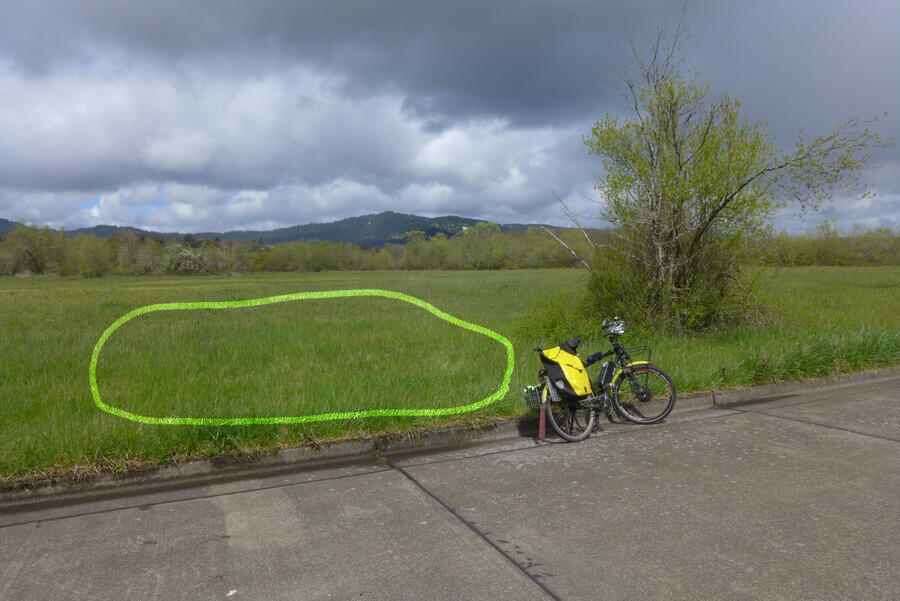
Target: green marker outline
(498,394)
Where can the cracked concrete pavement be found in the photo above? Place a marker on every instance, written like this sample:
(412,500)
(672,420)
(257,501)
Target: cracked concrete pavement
(798,498)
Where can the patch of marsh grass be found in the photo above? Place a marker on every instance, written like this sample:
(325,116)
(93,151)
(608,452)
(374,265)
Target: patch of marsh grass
(295,356)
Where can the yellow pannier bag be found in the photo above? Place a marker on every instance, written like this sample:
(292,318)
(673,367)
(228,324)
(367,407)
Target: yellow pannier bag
(573,369)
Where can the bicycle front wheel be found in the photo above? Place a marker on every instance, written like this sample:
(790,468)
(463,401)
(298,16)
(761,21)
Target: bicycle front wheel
(569,418)
(644,394)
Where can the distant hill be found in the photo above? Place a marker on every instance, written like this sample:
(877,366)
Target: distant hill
(366,230)
(100,231)
(6,225)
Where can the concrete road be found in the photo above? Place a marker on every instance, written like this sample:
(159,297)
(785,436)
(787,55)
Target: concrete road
(798,498)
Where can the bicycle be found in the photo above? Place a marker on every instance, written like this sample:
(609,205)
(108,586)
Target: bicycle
(636,391)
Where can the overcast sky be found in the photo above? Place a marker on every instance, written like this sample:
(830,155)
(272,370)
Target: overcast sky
(221,114)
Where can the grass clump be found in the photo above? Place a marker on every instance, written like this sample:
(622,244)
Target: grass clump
(834,353)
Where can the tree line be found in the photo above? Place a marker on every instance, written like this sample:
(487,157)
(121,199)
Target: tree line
(43,251)
(827,246)
(27,250)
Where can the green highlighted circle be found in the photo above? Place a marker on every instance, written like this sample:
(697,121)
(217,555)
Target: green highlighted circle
(495,396)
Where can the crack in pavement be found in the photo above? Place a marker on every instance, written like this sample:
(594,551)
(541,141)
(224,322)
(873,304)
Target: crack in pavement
(477,531)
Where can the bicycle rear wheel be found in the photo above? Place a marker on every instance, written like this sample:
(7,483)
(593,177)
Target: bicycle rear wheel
(644,394)
(568,417)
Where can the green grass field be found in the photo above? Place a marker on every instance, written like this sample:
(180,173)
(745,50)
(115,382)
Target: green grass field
(315,356)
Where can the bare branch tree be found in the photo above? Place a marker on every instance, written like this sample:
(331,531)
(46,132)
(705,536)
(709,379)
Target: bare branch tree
(567,247)
(571,216)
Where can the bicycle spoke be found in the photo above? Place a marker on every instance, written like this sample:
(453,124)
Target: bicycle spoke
(571,419)
(647,396)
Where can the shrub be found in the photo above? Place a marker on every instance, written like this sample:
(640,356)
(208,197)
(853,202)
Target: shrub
(186,260)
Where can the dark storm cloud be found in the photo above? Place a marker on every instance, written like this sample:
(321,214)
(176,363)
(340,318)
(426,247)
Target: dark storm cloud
(530,60)
(525,61)
(289,111)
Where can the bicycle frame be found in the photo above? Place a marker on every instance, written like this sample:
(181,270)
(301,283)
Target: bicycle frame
(623,363)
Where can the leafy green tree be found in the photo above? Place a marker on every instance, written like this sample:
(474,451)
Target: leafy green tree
(127,245)
(183,259)
(688,183)
(483,246)
(416,251)
(7,258)
(96,256)
(438,252)
(35,250)
(149,257)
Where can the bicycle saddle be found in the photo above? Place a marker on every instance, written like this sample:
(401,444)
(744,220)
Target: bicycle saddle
(571,345)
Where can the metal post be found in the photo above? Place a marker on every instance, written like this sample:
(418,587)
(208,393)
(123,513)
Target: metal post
(542,421)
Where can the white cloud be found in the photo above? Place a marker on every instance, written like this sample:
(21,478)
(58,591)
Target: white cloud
(195,150)
(431,197)
(180,152)
(196,143)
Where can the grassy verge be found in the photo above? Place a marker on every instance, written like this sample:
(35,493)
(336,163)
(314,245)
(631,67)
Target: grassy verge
(314,356)
(287,359)
(823,321)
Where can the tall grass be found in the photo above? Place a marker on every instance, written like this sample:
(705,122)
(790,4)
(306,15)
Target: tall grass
(298,358)
(818,321)
(315,356)
(289,359)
